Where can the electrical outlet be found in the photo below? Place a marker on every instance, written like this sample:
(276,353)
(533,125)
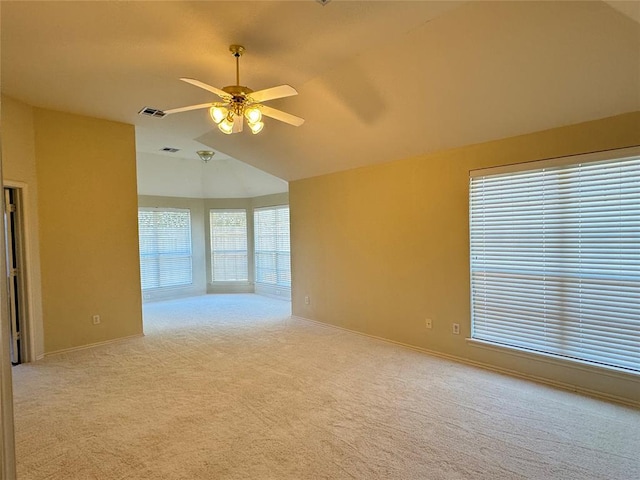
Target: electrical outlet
(427,323)
(307,300)
(456,329)
(96,319)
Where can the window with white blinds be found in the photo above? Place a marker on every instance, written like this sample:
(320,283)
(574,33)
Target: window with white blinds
(228,230)
(165,247)
(272,250)
(555,260)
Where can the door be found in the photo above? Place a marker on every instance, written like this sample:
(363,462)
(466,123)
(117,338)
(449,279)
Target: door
(14,275)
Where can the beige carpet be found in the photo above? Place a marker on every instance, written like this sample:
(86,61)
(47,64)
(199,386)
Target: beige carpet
(229,387)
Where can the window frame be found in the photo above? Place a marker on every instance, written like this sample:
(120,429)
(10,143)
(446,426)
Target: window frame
(246,280)
(278,254)
(160,256)
(586,159)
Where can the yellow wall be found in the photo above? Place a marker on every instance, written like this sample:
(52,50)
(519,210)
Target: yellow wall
(379,249)
(19,169)
(87,204)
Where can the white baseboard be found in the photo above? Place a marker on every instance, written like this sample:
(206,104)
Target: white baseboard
(91,345)
(485,366)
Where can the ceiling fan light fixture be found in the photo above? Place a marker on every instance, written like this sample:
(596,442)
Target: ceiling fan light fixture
(256,127)
(218,113)
(253,114)
(239,102)
(226,126)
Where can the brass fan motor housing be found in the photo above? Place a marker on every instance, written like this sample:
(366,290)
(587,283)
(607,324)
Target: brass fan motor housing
(237,90)
(238,98)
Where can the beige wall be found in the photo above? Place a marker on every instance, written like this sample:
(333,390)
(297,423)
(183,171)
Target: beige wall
(88,235)
(379,249)
(198,251)
(19,169)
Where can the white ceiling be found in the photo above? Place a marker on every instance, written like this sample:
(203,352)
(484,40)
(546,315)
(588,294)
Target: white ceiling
(221,177)
(377,80)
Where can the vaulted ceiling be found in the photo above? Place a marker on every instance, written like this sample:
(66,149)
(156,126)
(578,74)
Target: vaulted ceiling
(377,80)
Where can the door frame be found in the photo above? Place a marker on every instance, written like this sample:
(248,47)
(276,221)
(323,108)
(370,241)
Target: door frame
(7,435)
(26,267)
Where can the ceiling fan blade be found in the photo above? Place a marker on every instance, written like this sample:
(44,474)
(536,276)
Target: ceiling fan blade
(282,116)
(272,93)
(238,122)
(186,109)
(209,88)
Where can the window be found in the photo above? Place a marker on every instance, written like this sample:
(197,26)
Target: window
(165,247)
(555,258)
(228,245)
(273,253)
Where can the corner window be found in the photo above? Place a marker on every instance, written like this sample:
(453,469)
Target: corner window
(165,247)
(272,249)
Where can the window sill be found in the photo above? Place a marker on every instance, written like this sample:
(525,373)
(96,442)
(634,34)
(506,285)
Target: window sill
(556,360)
(167,289)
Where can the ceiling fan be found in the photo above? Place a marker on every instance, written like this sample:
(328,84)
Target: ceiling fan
(239,102)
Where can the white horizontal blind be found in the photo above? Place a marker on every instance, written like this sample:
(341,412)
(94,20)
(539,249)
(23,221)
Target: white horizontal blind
(228,230)
(165,247)
(555,260)
(272,249)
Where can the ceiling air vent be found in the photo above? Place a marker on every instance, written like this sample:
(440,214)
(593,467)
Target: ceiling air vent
(151,112)
(170,149)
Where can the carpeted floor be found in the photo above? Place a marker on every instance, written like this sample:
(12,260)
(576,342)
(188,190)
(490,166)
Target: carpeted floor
(230,387)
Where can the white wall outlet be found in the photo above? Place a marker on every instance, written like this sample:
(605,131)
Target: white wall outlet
(427,323)
(307,300)
(96,319)
(456,329)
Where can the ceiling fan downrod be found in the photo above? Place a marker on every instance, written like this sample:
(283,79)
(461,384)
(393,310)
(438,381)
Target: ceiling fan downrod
(237,51)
